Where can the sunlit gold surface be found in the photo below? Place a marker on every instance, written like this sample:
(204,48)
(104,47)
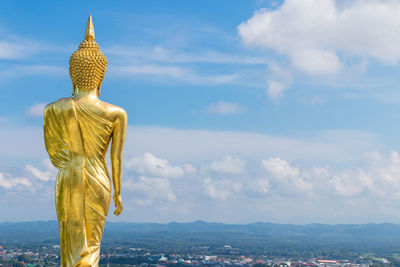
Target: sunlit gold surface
(77,133)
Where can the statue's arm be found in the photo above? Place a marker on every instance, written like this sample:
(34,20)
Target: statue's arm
(117,145)
(54,136)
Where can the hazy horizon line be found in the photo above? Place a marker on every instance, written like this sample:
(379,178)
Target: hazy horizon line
(211,222)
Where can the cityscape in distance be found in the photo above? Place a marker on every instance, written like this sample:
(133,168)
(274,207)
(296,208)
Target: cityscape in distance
(202,243)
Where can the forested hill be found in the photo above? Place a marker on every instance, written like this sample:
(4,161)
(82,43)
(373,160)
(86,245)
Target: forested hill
(41,230)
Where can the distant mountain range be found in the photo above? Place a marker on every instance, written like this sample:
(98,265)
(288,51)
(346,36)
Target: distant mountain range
(48,230)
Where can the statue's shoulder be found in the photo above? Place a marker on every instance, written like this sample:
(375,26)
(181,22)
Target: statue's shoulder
(60,104)
(115,111)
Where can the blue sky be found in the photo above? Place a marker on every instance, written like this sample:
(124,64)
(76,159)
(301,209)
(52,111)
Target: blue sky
(239,111)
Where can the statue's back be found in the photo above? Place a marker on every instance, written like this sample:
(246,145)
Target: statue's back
(77,134)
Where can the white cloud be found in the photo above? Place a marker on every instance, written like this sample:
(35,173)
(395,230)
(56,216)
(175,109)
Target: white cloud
(40,70)
(319,172)
(14,47)
(49,174)
(168,55)
(197,145)
(17,71)
(9,183)
(279,168)
(288,178)
(18,49)
(220,190)
(154,70)
(228,165)
(36,110)
(150,165)
(275,89)
(375,177)
(147,190)
(316,62)
(279,80)
(259,187)
(350,183)
(189,169)
(324,37)
(313,33)
(178,73)
(379,178)
(225,108)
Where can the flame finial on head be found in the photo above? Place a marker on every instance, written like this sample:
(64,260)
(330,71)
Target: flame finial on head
(89,33)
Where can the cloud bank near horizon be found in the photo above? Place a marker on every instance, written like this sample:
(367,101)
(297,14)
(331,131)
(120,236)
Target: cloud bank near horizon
(183,175)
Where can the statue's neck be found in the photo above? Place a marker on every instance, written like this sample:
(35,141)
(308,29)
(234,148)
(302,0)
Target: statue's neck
(86,94)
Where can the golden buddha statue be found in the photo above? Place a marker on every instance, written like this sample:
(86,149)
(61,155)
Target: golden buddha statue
(77,132)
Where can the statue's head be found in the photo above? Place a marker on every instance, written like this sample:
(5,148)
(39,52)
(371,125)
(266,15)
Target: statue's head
(87,65)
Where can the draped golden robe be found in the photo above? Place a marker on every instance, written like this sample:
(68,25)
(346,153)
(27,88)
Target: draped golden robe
(77,139)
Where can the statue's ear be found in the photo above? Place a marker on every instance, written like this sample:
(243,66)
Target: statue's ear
(73,89)
(98,88)
(101,81)
(72,80)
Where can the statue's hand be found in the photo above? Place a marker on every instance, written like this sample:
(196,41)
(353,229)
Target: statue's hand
(118,204)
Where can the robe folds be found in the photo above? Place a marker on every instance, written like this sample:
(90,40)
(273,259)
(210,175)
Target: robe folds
(76,139)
